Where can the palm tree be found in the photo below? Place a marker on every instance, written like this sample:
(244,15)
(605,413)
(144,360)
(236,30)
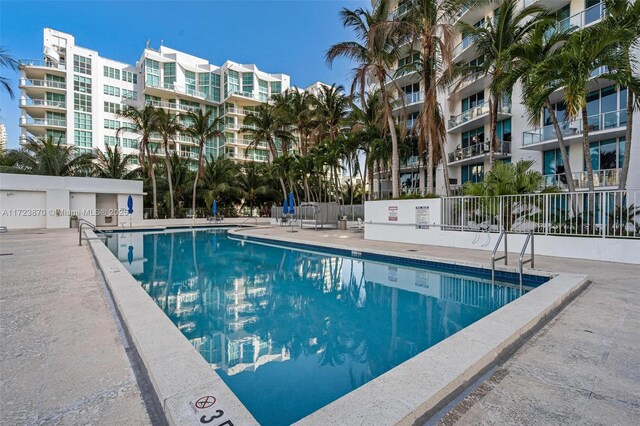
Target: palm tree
(203,127)
(374,54)
(9,62)
(298,109)
(168,125)
(493,42)
(113,164)
(46,157)
(427,24)
(219,179)
(266,126)
(625,13)
(255,185)
(143,122)
(570,68)
(540,45)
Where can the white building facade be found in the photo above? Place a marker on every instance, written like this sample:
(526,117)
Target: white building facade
(466,106)
(3,138)
(75,95)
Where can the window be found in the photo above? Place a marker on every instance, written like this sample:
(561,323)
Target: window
(111,72)
(112,107)
(110,90)
(473,173)
(129,143)
(234,84)
(133,161)
(276,87)
(473,137)
(81,84)
(503,129)
(57,135)
(263,90)
(129,94)
(55,78)
(190,82)
(247,82)
(152,69)
(82,138)
(410,59)
(55,97)
(607,154)
(169,73)
(82,102)
(82,120)
(111,140)
(472,101)
(553,163)
(82,64)
(215,87)
(111,124)
(131,77)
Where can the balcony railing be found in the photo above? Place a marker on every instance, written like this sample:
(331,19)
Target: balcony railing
(43,64)
(179,89)
(400,10)
(259,97)
(463,45)
(43,83)
(601,179)
(479,149)
(172,105)
(582,19)
(595,123)
(464,9)
(475,112)
(43,122)
(465,82)
(42,103)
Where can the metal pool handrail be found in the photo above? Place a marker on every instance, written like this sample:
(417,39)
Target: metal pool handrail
(99,233)
(503,233)
(521,261)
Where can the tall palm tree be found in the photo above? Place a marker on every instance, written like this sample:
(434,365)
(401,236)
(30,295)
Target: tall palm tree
(219,179)
(168,125)
(113,164)
(255,185)
(570,68)
(427,25)
(299,106)
(493,42)
(9,62)
(51,158)
(537,47)
(625,13)
(143,122)
(266,126)
(374,54)
(203,127)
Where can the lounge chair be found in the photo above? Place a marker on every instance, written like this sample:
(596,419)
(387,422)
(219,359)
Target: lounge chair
(3,229)
(358,227)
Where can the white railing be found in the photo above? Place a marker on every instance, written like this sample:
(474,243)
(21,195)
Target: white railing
(595,123)
(607,214)
(43,122)
(463,45)
(179,89)
(43,103)
(607,178)
(171,105)
(43,83)
(43,64)
(581,19)
(465,82)
(477,112)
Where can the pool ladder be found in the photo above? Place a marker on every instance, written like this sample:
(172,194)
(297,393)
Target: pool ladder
(521,261)
(99,234)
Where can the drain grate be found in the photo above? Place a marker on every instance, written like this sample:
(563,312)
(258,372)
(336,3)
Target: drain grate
(412,250)
(6,254)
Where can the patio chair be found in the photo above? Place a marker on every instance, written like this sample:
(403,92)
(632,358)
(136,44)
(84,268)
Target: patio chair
(358,227)
(3,229)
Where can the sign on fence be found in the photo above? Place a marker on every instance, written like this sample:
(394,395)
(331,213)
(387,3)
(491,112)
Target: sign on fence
(393,213)
(422,217)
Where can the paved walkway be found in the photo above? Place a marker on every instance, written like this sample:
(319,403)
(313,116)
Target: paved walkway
(583,367)
(62,360)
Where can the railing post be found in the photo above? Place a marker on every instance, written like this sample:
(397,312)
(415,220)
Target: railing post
(546,214)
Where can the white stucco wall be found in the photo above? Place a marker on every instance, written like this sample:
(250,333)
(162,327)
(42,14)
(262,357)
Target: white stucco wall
(378,227)
(28,201)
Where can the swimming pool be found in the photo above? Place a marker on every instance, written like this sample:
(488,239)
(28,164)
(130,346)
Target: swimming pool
(291,329)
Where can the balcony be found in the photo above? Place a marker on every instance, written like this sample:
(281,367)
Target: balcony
(476,116)
(470,154)
(409,99)
(171,87)
(613,124)
(45,122)
(260,97)
(609,178)
(171,105)
(465,46)
(400,11)
(583,19)
(40,86)
(37,68)
(468,85)
(41,104)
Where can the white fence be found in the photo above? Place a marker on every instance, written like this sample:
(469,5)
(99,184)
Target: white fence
(607,214)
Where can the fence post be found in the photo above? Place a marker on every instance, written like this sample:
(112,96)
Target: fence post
(462,219)
(602,216)
(546,214)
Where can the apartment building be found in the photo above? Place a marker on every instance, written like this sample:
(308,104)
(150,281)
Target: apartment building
(466,106)
(3,138)
(75,95)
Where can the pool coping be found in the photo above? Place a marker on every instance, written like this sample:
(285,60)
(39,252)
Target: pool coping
(405,394)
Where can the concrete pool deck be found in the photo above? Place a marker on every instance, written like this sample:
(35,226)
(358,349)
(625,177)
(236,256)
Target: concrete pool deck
(581,367)
(63,359)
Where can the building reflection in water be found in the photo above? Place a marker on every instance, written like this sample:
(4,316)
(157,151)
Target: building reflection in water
(298,323)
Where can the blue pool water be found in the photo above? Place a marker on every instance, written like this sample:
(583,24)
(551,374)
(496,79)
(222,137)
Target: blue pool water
(290,331)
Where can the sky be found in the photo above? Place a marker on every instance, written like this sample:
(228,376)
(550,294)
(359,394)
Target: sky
(279,36)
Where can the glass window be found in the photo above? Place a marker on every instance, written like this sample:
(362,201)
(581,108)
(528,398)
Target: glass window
(112,72)
(553,163)
(621,147)
(82,120)
(276,87)
(263,90)
(81,84)
(234,83)
(57,135)
(131,77)
(190,81)
(81,102)
(593,103)
(152,69)
(169,72)
(504,130)
(472,101)
(111,140)
(609,100)
(82,138)
(112,107)
(82,64)
(473,173)
(247,82)
(473,137)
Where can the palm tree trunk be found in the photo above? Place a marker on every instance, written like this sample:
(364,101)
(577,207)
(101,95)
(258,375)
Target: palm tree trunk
(421,175)
(622,185)
(154,187)
(284,188)
(587,158)
(563,148)
(395,160)
(169,178)
(430,184)
(195,183)
(445,168)
(370,177)
(493,106)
